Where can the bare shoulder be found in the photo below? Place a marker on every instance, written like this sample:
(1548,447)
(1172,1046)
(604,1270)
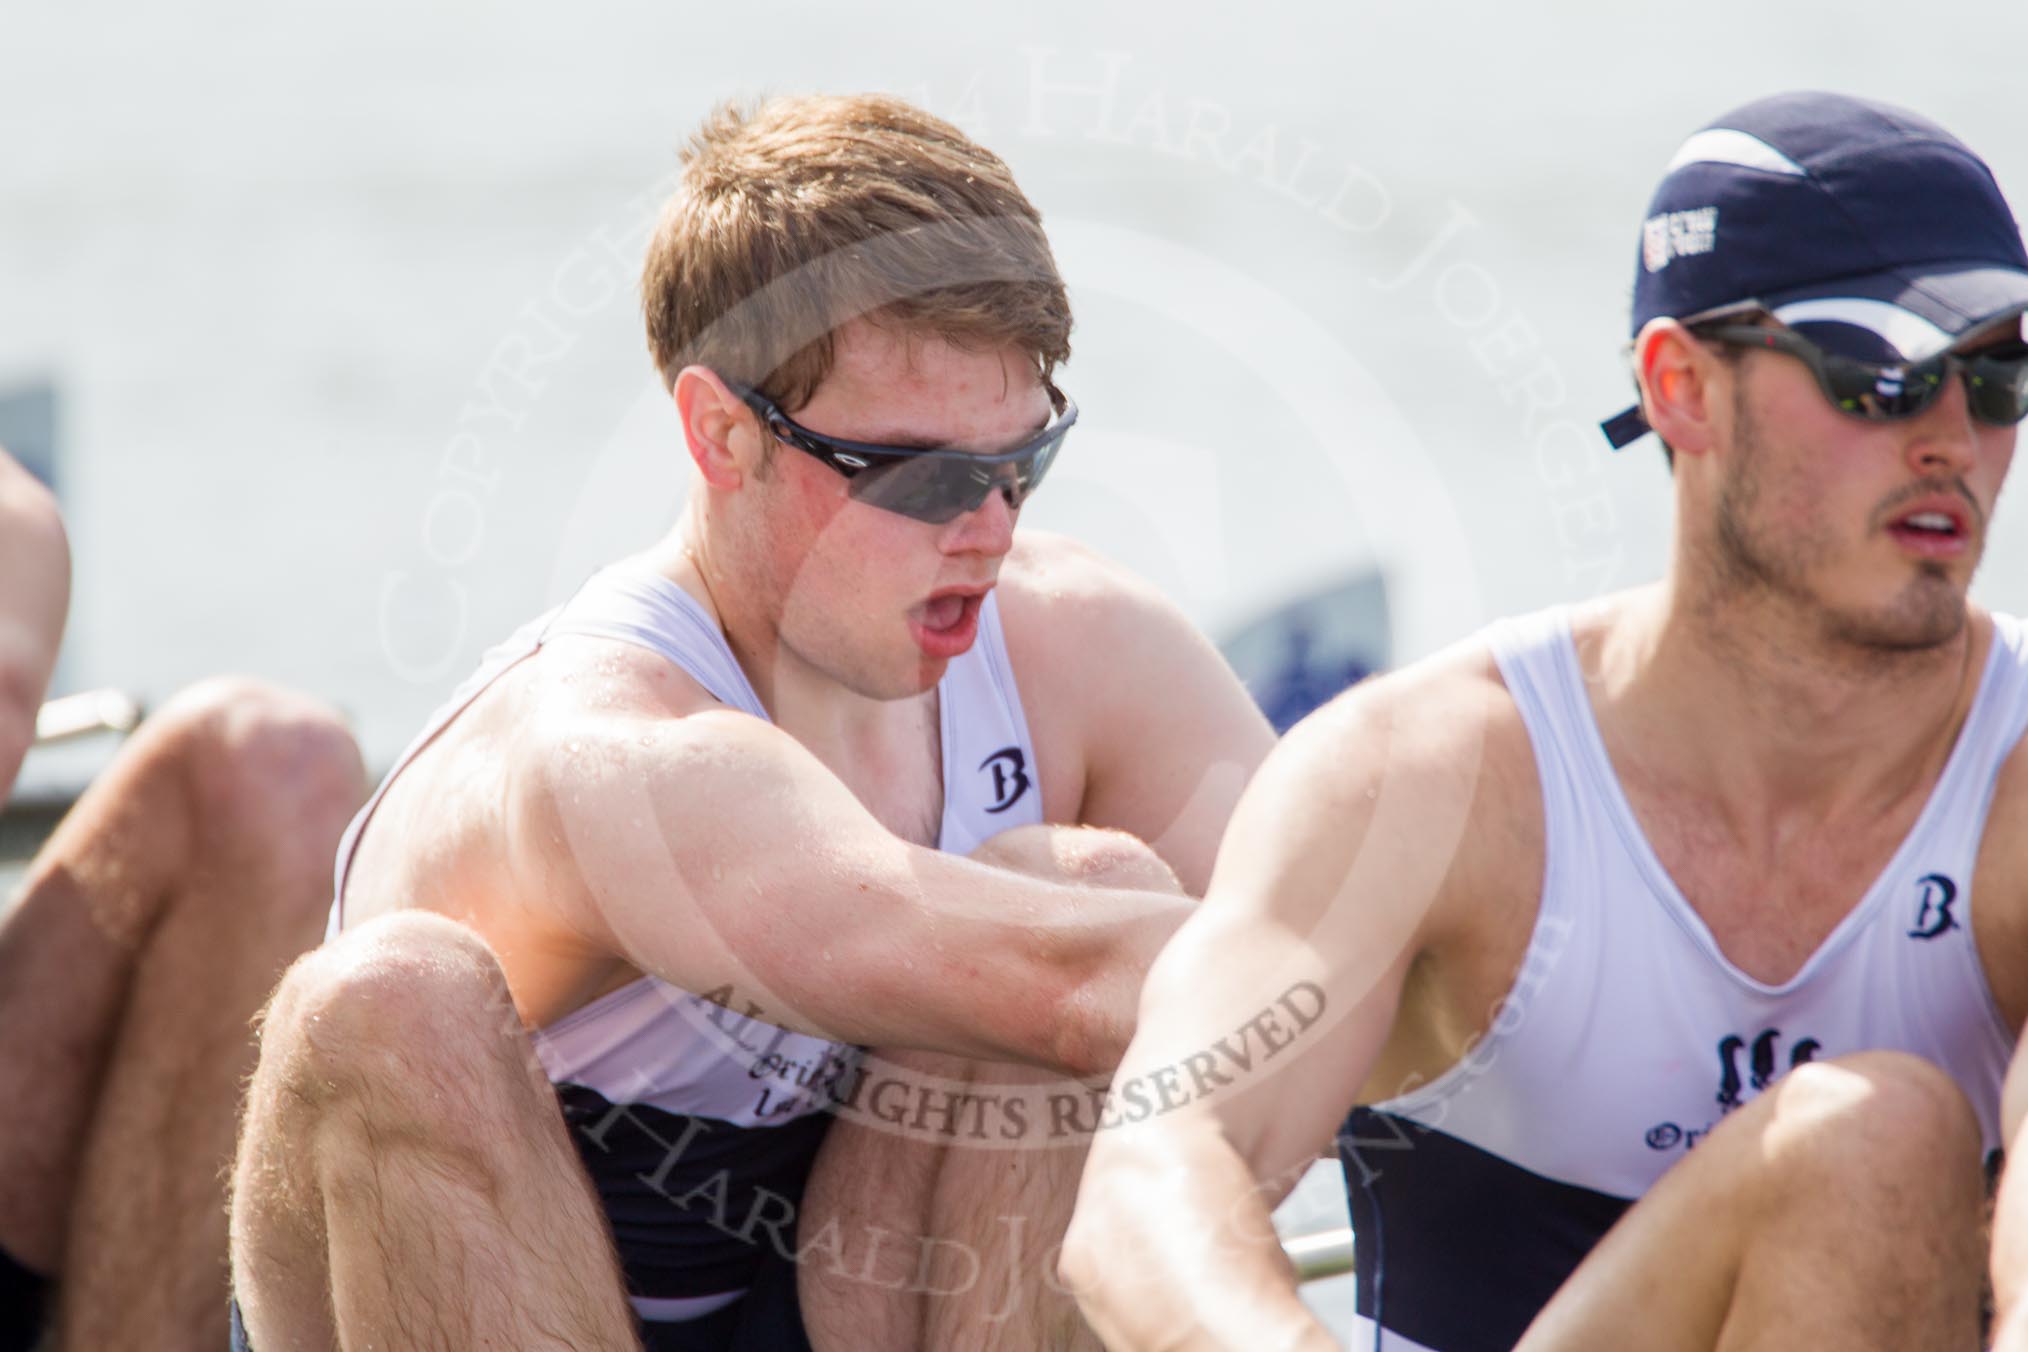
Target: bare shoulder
(18,485)
(34,586)
(1424,775)
(34,552)
(582,704)
(2006,837)
(572,724)
(2008,817)
(1139,723)
(1064,602)
(1447,717)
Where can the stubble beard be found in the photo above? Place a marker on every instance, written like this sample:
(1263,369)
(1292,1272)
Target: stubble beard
(1773,570)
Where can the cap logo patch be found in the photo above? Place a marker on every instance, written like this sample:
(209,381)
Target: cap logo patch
(1678,234)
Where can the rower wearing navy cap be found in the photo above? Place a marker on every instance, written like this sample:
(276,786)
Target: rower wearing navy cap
(1671,948)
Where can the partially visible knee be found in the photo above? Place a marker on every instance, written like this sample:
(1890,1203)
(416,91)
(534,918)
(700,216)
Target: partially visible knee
(1879,1097)
(408,1009)
(264,760)
(1877,1119)
(1088,855)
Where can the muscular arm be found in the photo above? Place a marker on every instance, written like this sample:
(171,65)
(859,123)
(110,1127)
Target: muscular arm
(1165,736)
(716,852)
(1338,870)
(34,597)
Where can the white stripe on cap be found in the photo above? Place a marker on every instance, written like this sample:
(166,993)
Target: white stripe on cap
(1913,336)
(1722,145)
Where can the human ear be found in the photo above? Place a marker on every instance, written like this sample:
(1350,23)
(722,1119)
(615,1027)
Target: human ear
(717,429)
(1675,374)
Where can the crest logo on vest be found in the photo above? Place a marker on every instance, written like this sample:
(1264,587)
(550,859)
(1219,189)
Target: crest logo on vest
(1009,768)
(1761,1068)
(1933,915)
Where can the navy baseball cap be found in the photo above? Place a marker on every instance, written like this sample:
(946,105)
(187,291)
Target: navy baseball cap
(1871,229)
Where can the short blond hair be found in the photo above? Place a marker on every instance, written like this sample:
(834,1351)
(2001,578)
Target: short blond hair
(797,215)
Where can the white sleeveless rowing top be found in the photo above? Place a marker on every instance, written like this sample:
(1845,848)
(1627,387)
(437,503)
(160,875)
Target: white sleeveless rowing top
(698,1125)
(1628,1035)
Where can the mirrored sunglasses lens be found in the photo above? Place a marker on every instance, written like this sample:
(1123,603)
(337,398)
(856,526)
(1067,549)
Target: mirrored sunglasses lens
(936,488)
(1869,391)
(927,488)
(1998,383)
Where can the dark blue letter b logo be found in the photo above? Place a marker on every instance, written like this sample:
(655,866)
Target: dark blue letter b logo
(1010,777)
(1934,916)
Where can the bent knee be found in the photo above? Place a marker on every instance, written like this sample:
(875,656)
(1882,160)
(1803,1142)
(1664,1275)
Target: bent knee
(260,757)
(413,996)
(1878,1107)
(1088,855)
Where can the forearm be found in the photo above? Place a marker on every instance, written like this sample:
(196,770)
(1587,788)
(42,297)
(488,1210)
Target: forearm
(1102,1005)
(1096,940)
(1031,952)
(1173,1246)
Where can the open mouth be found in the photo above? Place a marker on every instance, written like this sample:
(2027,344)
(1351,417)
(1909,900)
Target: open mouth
(946,624)
(1931,531)
(944,613)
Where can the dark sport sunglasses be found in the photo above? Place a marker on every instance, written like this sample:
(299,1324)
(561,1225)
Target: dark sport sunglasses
(932,485)
(1996,379)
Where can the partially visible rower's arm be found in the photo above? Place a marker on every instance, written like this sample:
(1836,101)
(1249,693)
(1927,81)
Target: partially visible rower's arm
(717,853)
(1258,1025)
(34,597)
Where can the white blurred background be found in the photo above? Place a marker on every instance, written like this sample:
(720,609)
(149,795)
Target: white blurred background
(337,303)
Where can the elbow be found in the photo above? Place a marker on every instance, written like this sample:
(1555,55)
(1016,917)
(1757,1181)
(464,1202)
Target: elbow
(1079,1269)
(1114,1267)
(1097,999)
(1082,1265)
(1092,1024)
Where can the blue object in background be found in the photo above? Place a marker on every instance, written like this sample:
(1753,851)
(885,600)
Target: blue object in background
(28,427)
(1306,678)
(1301,654)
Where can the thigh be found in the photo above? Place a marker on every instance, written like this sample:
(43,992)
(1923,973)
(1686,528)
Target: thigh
(403,1164)
(937,1207)
(868,1204)
(939,1201)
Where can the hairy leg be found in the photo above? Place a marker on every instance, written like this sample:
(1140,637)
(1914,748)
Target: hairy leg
(941,1230)
(404,1177)
(1842,1208)
(148,932)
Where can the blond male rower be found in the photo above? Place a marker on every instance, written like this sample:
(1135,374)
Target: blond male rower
(616,926)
